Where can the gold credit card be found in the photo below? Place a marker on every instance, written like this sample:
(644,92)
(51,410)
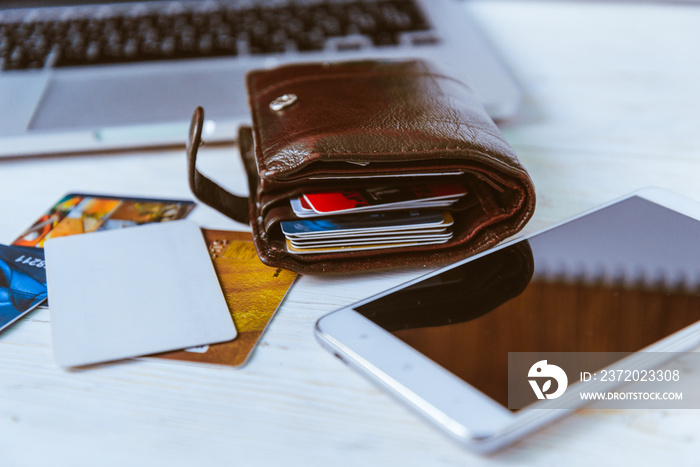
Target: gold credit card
(253,293)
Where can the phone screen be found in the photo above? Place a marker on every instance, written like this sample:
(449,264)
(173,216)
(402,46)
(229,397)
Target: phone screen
(616,280)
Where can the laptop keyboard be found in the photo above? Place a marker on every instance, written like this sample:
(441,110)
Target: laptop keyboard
(218,32)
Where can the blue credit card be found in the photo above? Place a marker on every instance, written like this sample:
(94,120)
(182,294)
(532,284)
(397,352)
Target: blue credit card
(22,282)
(391,220)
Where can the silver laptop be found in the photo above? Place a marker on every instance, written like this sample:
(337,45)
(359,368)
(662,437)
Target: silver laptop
(84,75)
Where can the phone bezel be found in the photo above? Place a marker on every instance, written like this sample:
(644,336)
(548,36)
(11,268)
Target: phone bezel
(468,415)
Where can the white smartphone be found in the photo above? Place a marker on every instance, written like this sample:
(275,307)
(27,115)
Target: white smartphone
(441,343)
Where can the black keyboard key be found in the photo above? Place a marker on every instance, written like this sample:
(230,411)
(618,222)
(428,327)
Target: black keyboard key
(310,41)
(384,39)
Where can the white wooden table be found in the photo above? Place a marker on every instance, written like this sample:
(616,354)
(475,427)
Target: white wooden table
(612,104)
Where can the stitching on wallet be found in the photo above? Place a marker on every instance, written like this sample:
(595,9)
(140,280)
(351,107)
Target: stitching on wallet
(345,75)
(469,150)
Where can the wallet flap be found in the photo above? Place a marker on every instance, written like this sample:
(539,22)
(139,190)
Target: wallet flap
(357,117)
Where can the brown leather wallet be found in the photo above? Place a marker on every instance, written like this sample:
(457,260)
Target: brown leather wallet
(350,125)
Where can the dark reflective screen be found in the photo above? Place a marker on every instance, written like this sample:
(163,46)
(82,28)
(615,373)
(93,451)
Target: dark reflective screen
(616,280)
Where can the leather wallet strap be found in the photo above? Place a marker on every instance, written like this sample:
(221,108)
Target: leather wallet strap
(236,207)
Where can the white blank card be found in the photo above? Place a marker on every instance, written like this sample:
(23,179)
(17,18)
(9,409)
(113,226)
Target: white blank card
(131,292)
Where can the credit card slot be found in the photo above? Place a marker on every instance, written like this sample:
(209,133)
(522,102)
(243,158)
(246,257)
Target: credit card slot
(467,212)
(274,199)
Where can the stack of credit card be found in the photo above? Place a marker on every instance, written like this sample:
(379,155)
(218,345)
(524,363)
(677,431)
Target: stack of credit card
(371,218)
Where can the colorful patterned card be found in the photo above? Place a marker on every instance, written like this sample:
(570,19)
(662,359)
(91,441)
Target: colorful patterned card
(79,213)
